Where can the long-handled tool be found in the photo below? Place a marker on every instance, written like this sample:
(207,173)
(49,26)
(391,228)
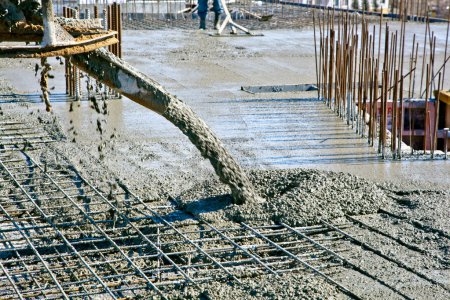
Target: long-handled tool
(234,26)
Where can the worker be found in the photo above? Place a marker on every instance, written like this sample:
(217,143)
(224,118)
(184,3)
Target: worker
(203,11)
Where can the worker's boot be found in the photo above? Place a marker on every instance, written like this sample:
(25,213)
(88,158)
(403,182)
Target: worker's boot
(216,21)
(202,23)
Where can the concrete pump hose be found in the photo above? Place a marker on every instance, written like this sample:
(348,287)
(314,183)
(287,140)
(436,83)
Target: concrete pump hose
(119,75)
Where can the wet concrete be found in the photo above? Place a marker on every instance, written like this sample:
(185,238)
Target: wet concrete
(266,131)
(282,131)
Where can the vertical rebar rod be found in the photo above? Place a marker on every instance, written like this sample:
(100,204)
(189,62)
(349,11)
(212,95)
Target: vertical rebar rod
(423,59)
(394,115)
(119,30)
(66,63)
(320,59)
(445,142)
(76,71)
(315,56)
(400,119)
(427,95)
(436,117)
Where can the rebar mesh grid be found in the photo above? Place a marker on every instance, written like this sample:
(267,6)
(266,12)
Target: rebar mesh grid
(60,237)
(20,136)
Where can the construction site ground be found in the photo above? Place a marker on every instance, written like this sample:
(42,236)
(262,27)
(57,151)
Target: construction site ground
(310,166)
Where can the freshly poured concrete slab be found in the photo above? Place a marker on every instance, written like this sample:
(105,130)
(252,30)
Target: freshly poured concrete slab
(282,130)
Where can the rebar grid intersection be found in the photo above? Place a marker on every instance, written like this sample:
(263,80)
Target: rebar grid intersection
(20,136)
(62,237)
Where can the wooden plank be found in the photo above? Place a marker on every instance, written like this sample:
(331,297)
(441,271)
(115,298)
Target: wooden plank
(78,46)
(25,32)
(444,96)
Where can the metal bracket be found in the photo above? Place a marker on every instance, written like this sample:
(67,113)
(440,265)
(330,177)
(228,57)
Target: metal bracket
(55,40)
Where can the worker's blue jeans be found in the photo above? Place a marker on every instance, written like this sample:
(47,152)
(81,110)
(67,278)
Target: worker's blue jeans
(203,8)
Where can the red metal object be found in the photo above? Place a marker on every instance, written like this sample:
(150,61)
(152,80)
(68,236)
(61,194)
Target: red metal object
(416,131)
